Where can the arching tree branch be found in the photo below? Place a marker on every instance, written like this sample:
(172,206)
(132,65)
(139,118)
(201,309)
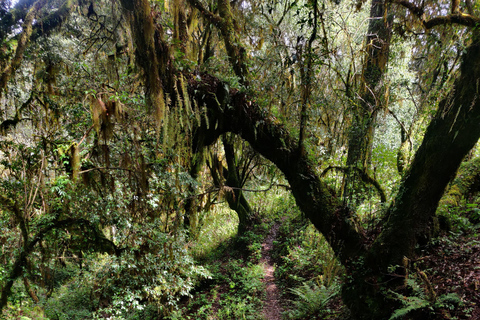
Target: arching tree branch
(456,17)
(238,114)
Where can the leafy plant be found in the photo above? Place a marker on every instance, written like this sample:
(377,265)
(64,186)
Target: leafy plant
(312,299)
(419,301)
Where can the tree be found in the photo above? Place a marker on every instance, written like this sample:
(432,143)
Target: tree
(450,135)
(208,107)
(371,93)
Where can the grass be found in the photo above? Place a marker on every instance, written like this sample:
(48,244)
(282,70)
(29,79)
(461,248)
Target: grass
(218,227)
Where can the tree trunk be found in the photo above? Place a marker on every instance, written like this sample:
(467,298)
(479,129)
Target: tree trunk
(234,183)
(371,93)
(234,112)
(450,136)
(236,199)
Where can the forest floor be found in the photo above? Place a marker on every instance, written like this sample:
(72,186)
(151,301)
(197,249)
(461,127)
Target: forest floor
(453,264)
(253,276)
(272,309)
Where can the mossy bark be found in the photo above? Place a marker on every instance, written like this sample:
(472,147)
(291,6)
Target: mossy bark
(27,29)
(236,199)
(152,53)
(466,182)
(237,114)
(450,136)
(370,96)
(230,180)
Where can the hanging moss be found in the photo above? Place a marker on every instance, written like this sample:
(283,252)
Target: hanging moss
(74,156)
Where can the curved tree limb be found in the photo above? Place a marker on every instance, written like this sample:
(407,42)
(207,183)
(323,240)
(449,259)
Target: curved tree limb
(264,133)
(450,136)
(456,17)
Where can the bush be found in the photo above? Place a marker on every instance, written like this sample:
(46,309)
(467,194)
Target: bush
(71,302)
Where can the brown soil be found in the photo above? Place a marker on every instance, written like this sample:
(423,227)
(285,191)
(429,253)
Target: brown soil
(453,266)
(272,309)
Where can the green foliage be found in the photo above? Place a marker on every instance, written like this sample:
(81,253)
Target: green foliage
(304,254)
(236,292)
(420,301)
(236,289)
(238,308)
(146,281)
(311,299)
(158,270)
(134,169)
(74,301)
(217,226)
(461,218)
(24,311)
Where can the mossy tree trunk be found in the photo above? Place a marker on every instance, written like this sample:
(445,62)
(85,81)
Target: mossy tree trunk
(371,93)
(465,185)
(450,136)
(231,180)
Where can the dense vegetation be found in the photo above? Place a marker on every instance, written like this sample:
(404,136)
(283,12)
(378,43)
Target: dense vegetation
(156,156)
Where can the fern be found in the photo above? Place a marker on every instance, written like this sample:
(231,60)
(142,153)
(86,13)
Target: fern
(421,301)
(311,299)
(410,304)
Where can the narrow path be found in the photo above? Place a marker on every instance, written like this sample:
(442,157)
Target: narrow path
(272,309)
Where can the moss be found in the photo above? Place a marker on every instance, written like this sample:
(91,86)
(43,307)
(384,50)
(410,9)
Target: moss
(465,183)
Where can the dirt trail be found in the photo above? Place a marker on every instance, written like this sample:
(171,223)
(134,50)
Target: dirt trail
(272,309)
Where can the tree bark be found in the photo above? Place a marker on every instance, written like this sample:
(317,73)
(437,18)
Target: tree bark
(233,111)
(450,136)
(236,199)
(371,91)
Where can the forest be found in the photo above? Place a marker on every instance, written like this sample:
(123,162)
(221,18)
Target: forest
(239,159)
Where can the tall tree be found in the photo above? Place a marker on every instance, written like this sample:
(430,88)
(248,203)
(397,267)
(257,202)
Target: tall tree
(370,98)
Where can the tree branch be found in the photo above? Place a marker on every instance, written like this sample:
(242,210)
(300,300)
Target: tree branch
(27,28)
(226,24)
(264,133)
(453,18)
(207,14)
